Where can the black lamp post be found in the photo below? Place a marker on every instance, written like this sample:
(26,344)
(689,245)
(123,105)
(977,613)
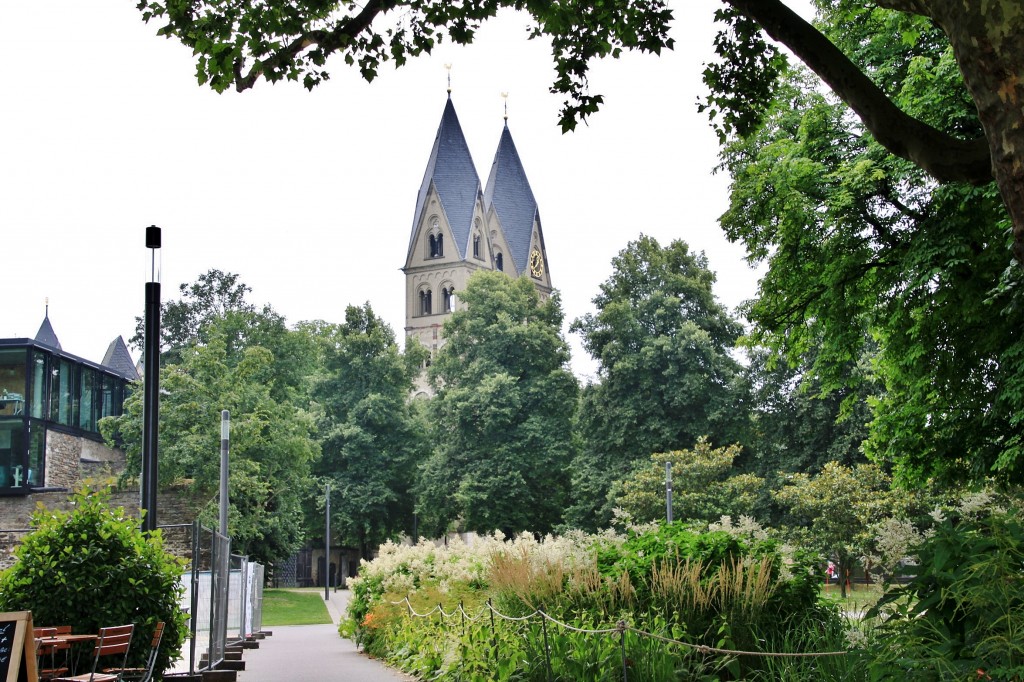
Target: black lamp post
(151,385)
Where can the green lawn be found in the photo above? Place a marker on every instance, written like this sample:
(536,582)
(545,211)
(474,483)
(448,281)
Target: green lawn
(288,607)
(859,598)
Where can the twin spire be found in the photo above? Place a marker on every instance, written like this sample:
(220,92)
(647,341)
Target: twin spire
(452,174)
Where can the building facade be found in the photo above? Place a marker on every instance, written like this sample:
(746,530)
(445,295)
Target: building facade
(50,406)
(460,226)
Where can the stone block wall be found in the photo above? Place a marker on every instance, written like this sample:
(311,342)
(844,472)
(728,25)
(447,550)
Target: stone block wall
(72,459)
(173,507)
(63,455)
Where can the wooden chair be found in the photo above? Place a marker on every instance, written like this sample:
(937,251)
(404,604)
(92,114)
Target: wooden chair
(46,653)
(112,642)
(142,674)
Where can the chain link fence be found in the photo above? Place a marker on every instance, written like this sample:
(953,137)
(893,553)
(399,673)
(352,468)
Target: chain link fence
(224,597)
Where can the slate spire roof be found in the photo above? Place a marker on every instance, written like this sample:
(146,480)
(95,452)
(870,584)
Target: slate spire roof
(120,360)
(451,171)
(509,192)
(46,334)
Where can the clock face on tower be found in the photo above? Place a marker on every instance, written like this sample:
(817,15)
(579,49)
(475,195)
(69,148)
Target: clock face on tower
(536,264)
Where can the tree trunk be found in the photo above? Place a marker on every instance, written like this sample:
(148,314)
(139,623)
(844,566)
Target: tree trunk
(987,42)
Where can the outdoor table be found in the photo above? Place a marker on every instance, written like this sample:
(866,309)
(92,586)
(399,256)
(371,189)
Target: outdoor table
(71,640)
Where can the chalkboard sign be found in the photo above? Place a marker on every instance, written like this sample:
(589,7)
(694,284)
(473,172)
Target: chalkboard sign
(17,647)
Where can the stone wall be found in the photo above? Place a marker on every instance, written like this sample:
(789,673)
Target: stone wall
(63,455)
(173,507)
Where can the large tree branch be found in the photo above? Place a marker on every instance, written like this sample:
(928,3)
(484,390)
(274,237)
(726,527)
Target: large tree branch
(329,41)
(945,157)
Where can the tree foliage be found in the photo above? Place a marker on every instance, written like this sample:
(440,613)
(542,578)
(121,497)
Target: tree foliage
(248,363)
(91,567)
(864,249)
(236,45)
(797,426)
(503,412)
(667,378)
(834,511)
(958,618)
(371,438)
(705,486)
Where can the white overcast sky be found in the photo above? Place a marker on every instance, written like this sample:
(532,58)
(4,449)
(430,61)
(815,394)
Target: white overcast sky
(309,196)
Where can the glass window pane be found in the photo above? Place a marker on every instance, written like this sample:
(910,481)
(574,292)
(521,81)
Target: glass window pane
(121,393)
(106,395)
(37,387)
(12,382)
(36,454)
(61,395)
(12,454)
(87,400)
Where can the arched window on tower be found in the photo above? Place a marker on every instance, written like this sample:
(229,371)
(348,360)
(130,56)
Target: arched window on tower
(433,246)
(440,245)
(446,298)
(499,262)
(425,301)
(476,246)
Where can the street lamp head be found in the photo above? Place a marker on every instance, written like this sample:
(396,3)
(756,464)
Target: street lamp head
(153,244)
(152,237)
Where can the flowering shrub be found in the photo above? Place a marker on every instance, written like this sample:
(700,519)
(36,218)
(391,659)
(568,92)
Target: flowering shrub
(720,589)
(962,614)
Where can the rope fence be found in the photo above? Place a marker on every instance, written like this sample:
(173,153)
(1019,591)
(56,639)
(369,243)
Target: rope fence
(620,629)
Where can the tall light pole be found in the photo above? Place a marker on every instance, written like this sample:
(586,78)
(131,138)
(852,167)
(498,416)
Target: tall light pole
(225,449)
(668,491)
(151,385)
(327,548)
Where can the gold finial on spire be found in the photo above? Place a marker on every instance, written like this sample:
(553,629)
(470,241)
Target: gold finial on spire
(504,96)
(46,312)
(449,68)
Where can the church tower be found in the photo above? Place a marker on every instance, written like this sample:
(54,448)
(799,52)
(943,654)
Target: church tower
(458,228)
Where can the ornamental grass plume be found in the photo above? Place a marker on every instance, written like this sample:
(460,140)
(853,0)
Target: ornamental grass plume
(679,583)
(738,586)
(744,585)
(535,584)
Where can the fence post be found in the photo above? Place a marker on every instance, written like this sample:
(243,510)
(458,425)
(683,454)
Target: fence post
(494,633)
(547,650)
(621,625)
(194,601)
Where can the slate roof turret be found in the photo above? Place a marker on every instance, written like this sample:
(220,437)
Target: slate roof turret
(451,171)
(46,335)
(508,191)
(120,360)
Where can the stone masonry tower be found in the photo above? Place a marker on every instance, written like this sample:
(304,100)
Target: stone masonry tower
(460,227)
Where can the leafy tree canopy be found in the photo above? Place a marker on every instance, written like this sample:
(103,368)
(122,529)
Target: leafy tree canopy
(217,301)
(372,439)
(834,511)
(503,412)
(796,426)
(866,252)
(236,45)
(271,441)
(705,486)
(663,344)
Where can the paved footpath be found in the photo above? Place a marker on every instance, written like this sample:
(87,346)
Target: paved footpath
(314,653)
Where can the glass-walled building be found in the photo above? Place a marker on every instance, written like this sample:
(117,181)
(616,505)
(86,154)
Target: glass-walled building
(45,391)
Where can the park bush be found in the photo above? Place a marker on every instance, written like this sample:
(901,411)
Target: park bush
(92,567)
(962,615)
(703,589)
